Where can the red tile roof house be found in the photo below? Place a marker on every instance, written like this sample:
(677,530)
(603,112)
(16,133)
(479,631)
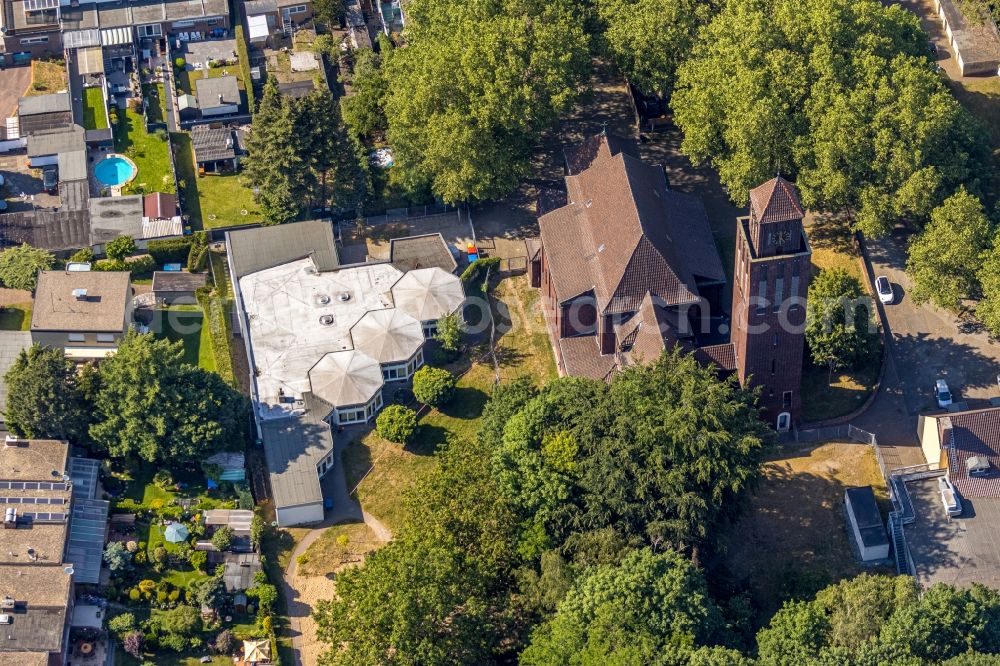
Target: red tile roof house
(968,445)
(628,267)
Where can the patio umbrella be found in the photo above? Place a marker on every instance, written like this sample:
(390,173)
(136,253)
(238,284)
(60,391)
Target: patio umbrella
(175,533)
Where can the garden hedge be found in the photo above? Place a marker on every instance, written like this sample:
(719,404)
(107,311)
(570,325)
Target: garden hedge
(171,250)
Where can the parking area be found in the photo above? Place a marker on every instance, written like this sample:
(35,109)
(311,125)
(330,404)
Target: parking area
(957,551)
(23,186)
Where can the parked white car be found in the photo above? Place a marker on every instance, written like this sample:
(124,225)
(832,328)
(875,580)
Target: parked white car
(942,393)
(949,497)
(884,289)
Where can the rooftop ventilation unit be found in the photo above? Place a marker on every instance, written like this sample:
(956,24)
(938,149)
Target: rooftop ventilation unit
(323,299)
(14,441)
(7,603)
(5,618)
(9,519)
(977,465)
(343,297)
(327,320)
(80,294)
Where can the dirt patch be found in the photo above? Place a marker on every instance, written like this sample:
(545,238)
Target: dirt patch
(793,540)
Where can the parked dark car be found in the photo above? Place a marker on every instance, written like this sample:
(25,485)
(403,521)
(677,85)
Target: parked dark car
(50,181)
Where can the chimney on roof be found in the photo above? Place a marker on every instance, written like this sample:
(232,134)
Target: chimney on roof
(9,522)
(80,294)
(10,441)
(220,98)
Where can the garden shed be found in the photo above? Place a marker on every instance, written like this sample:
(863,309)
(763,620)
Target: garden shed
(866,523)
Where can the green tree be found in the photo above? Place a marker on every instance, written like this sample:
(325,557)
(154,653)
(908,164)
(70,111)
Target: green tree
(210,592)
(433,386)
(634,612)
(944,259)
(850,108)
(150,406)
(117,557)
(19,266)
(84,256)
(450,329)
(840,326)
(329,12)
(507,400)
(44,396)
(122,624)
(119,248)
(648,39)
(397,424)
(272,165)
(181,621)
(258,529)
(475,86)
(266,596)
(363,110)
(222,539)
(988,275)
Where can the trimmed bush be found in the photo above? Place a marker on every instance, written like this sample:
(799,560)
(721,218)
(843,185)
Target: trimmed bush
(433,386)
(170,250)
(217,314)
(476,267)
(119,248)
(397,424)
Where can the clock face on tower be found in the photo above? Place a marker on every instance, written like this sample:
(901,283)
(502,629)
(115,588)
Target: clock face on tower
(779,237)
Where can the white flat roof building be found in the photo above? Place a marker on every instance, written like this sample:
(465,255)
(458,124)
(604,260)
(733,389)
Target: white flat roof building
(322,344)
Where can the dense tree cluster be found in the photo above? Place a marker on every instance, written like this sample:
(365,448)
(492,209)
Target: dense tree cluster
(477,82)
(19,266)
(841,95)
(625,481)
(301,157)
(142,404)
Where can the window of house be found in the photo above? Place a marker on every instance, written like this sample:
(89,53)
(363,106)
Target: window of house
(762,292)
(394,373)
(297,9)
(430,329)
(35,40)
(152,30)
(105,337)
(77,337)
(774,366)
(786,400)
(779,287)
(182,24)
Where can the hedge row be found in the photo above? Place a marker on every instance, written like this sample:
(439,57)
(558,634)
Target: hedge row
(217,314)
(244,55)
(472,272)
(171,250)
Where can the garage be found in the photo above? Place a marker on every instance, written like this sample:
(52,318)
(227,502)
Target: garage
(866,523)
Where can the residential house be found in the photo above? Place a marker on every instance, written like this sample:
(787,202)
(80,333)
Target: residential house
(84,313)
(269,18)
(216,149)
(218,96)
(28,29)
(323,341)
(170,287)
(37,602)
(240,570)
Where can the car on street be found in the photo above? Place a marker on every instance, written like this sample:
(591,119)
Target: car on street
(942,393)
(949,497)
(49,181)
(884,289)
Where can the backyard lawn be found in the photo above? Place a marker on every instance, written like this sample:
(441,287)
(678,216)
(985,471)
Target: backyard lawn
(95,115)
(47,76)
(211,200)
(156,102)
(150,152)
(15,317)
(188,327)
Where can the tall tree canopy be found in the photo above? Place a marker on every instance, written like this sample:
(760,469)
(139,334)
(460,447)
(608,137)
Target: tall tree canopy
(650,38)
(839,94)
(840,326)
(943,260)
(44,396)
(881,620)
(474,87)
(363,110)
(301,156)
(152,407)
(647,609)
(19,266)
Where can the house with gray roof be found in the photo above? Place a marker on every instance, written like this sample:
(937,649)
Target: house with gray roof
(85,313)
(218,96)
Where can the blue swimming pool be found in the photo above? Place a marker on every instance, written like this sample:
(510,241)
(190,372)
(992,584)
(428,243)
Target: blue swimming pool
(114,171)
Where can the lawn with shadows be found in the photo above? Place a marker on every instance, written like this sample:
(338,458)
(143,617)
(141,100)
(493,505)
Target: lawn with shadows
(15,317)
(150,152)
(95,115)
(212,200)
(793,540)
(382,472)
(187,327)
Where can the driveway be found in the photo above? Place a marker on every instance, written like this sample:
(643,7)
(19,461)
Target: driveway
(924,343)
(14,82)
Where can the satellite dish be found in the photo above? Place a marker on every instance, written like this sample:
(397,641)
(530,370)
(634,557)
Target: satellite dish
(68,570)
